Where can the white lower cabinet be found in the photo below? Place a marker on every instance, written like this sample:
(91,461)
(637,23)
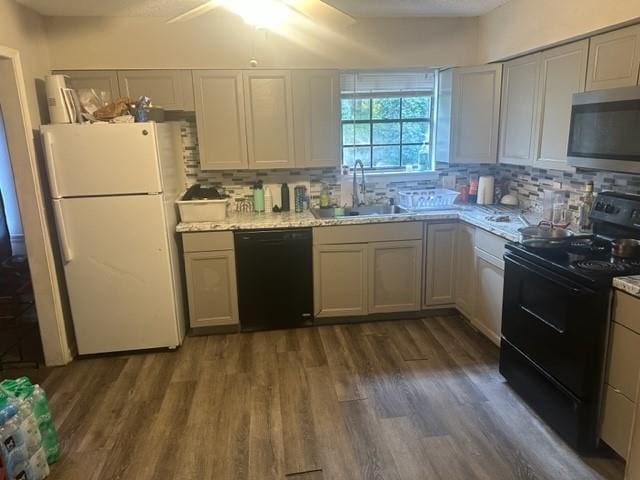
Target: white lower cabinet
(340,280)
(440,264)
(489,282)
(621,378)
(210,270)
(466,270)
(363,269)
(395,269)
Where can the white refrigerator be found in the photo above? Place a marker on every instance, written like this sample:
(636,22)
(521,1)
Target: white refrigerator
(113,189)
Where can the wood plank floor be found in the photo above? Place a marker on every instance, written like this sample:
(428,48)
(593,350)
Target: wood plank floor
(415,399)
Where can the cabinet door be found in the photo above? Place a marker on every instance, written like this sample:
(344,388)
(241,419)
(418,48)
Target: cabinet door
(489,285)
(617,419)
(340,280)
(518,111)
(623,364)
(475,114)
(443,117)
(316,103)
(395,276)
(440,264)
(562,73)
(220,117)
(169,89)
(465,270)
(99,80)
(269,107)
(211,288)
(614,59)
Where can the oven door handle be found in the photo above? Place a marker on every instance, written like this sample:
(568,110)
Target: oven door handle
(540,319)
(551,277)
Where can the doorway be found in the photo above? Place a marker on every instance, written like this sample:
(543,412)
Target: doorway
(21,140)
(20,343)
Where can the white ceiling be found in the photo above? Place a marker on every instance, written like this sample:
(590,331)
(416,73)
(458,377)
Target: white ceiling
(357,8)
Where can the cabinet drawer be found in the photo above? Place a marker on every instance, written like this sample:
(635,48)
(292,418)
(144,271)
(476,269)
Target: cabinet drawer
(207,241)
(627,311)
(382,232)
(617,417)
(624,360)
(490,243)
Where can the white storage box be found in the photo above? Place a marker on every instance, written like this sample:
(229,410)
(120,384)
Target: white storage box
(202,210)
(427,199)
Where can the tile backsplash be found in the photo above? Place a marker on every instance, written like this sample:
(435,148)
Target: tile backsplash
(527,183)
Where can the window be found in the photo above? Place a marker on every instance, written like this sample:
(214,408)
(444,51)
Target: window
(384,128)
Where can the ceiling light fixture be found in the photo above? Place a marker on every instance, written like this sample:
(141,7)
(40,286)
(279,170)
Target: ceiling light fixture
(269,14)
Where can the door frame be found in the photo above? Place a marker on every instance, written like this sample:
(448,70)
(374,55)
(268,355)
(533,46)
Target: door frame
(47,281)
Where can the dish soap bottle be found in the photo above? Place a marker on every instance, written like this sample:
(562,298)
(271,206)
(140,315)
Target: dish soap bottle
(258,197)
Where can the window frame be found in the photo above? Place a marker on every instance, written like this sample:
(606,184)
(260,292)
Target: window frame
(371,121)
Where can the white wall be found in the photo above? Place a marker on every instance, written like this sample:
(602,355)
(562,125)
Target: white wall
(521,26)
(222,40)
(23,30)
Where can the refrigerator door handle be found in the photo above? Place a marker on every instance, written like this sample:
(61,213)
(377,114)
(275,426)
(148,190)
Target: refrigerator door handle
(62,232)
(48,153)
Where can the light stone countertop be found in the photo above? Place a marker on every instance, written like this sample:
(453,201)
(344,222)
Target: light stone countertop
(474,215)
(630,284)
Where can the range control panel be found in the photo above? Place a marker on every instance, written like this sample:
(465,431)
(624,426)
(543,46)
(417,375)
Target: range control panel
(618,209)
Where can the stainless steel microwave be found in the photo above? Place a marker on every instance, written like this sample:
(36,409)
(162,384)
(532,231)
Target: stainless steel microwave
(605,130)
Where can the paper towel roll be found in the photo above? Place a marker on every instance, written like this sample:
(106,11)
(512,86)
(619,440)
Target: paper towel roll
(485,190)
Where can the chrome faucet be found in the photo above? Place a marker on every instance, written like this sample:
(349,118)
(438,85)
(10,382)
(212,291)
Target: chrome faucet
(355,200)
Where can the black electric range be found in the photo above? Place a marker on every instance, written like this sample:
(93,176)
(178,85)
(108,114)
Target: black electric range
(556,319)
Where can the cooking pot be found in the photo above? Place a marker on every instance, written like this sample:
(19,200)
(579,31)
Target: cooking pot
(625,248)
(544,235)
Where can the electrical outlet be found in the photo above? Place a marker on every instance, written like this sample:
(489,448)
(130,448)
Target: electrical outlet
(449,181)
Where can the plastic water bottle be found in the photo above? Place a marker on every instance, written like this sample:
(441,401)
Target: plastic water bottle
(38,468)
(12,443)
(33,439)
(40,405)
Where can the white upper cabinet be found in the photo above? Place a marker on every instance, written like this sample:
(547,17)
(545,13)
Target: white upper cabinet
(614,59)
(562,73)
(443,117)
(269,110)
(220,117)
(168,89)
(474,115)
(518,111)
(316,101)
(99,80)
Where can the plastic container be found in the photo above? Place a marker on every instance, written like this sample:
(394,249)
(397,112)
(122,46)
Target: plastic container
(202,210)
(268,200)
(436,198)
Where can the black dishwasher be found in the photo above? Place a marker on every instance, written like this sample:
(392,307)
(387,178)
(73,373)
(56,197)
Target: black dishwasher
(275,278)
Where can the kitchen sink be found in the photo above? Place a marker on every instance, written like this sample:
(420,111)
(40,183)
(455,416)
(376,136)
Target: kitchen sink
(365,210)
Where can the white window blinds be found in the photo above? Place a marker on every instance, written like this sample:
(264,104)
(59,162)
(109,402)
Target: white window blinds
(387,82)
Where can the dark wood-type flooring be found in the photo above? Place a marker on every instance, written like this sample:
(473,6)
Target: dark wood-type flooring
(415,399)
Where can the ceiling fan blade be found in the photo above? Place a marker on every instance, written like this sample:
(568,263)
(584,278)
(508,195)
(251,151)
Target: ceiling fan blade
(322,12)
(196,11)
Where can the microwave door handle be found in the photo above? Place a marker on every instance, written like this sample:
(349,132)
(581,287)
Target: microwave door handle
(552,278)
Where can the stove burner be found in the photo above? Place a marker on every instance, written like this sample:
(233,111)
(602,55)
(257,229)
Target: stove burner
(588,246)
(600,266)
